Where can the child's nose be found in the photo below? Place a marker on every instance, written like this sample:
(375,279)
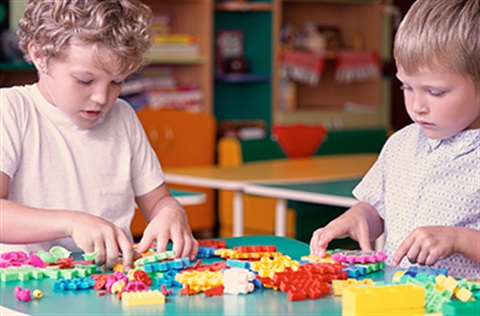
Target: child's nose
(418,104)
(100,95)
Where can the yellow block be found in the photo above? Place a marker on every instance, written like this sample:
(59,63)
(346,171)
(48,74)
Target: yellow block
(384,300)
(139,298)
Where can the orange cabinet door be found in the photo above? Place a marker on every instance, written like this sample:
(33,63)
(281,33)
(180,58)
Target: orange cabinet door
(182,139)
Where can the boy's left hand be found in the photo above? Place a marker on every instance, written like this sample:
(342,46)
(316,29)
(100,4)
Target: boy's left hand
(170,224)
(426,245)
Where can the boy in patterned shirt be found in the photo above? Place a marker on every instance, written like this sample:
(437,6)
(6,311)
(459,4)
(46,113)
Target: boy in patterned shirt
(423,192)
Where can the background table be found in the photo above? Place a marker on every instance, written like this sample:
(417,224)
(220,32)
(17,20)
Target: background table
(333,192)
(188,197)
(269,171)
(260,302)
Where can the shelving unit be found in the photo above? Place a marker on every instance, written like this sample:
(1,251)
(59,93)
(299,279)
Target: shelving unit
(196,18)
(247,96)
(335,105)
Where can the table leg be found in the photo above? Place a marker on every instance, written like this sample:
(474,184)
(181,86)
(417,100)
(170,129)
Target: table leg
(281,217)
(237,214)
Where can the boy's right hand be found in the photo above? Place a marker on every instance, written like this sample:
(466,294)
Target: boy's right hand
(91,233)
(352,223)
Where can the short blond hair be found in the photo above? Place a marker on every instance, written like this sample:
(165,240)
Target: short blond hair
(121,26)
(441,34)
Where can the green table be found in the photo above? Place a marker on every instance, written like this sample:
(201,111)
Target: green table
(188,197)
(260,302)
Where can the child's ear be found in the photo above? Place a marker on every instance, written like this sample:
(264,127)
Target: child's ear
(37,58)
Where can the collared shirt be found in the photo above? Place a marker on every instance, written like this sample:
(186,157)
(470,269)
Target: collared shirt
(418,181)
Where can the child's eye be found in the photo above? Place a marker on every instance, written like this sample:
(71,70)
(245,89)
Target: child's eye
(405,87)
(117,83)
(84,82)
(436,93)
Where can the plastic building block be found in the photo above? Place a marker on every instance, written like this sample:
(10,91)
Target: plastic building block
(416,269)
(384,300)
(354,271)
(462,294)
(212,243)
(233,263)
(135,286)
(461,308)
(118,287)
(91,256)
(214,291)
(165,291)
(358,256)
(22,294)
(59,252)
(200,280)
(154,257)
(339,285)
(206,252)
(238,281)
(314,258)
(73,284)
(139,298)
(255,249)
(37,294)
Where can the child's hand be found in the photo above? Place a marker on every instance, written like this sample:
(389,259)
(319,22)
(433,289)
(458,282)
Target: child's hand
(426,245)
(91,233)
(170,223)
(344,226)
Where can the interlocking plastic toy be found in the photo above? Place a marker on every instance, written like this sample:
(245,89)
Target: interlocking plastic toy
(358,256)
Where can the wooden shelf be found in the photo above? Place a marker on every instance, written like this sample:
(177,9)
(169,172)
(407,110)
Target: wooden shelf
(242,78)
(243,6)
(176,61)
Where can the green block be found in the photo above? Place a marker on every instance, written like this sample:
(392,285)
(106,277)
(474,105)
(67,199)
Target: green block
(461,308)
(38,273)
(9,275)
(69,273)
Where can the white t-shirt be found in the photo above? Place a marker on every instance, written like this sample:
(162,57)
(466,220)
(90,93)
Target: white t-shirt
(417,182)
(55,165)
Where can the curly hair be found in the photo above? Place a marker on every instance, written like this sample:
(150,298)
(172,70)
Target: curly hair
(441,34)
(121,26)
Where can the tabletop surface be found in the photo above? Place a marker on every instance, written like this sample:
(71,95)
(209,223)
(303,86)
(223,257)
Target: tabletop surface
(260,302)
(335,192)
(188,197)
(277,170)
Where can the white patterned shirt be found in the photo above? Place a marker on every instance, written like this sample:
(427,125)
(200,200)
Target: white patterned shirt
(418,181)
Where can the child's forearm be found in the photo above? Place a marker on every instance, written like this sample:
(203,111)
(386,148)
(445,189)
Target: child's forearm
(374,221)
(468,242)
(20,224)
(152,203)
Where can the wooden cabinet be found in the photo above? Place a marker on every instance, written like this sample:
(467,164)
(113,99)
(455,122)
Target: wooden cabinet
(180,138)
(196,18)
(335,104)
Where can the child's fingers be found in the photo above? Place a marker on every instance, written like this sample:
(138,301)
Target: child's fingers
(145,243)
(162,241)
(363,240)
(190,247)
(111,251)
(320,240)
(402,250)
(178,244)
(127,251)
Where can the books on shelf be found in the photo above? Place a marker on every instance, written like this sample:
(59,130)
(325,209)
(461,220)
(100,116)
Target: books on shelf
(157,87)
